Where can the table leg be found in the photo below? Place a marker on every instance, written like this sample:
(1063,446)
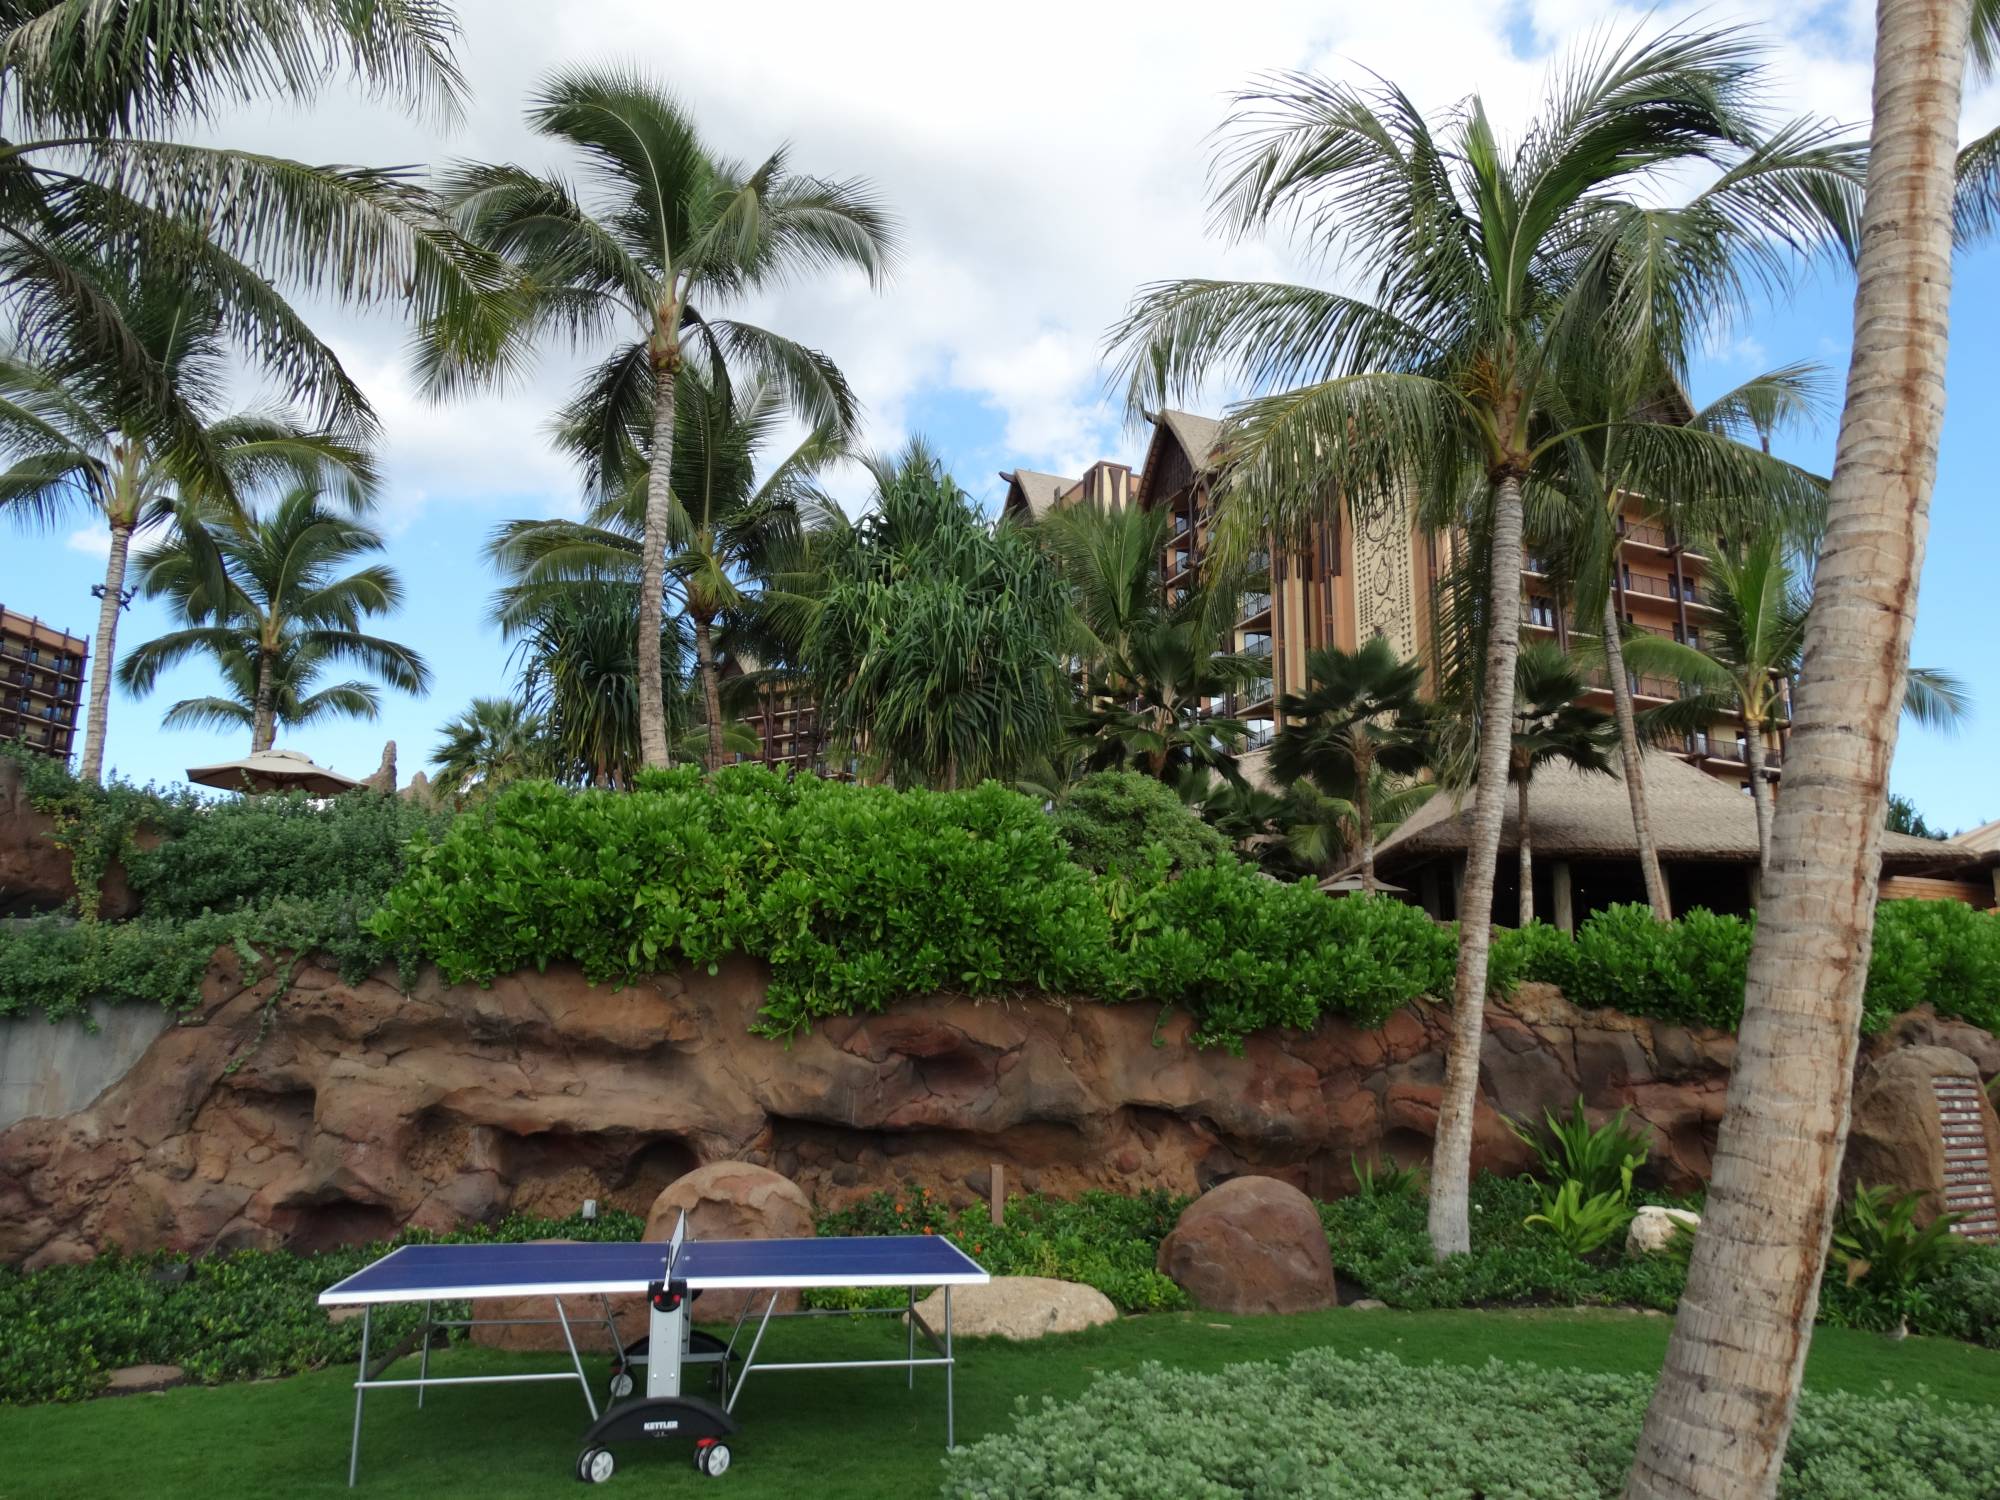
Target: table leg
(750,1359)
(950,1368)
(576,1359)
(360,1395)
(910,1317)
(424,1362)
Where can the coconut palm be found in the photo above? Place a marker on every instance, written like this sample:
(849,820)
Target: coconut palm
(83,444)
(1722,1412)
(1358,715)
(726,528)
(1978,169)
(1111,561)
(93,188)
(1488,285)
(284,599)
(666,230)
(1550,727)
(931,636)
(297,700)
(1748,657)
(488,744)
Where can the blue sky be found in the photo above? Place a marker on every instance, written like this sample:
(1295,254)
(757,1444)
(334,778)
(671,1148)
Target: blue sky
(1036,193)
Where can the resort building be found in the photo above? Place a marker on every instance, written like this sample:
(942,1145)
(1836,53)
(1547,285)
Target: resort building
(1374,570)
(41,684)
(779,712)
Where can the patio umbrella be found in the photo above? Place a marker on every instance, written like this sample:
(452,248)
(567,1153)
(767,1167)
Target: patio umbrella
(273,771)
(1347,884)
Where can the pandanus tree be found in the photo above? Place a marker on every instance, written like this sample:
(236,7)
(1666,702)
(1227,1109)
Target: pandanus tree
(662,231)
(1722,1413)
(84,441)
(1747,657)
(288,596)
(726,528)
(1550,728)
(579,666)
(491,742)
(1359,716)
(1448,379)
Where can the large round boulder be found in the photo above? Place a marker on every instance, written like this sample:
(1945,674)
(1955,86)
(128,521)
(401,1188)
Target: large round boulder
(1252,1245)
(733,1200)
(1019,1307)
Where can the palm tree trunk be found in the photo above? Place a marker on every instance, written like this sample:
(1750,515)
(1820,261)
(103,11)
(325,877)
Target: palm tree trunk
(1634,763)
(263,714)
(1451,1157)
(711,690)
(1722,1412)
(1760,792)
(1364,822)
(653,751)
(99,715)
(1527,913)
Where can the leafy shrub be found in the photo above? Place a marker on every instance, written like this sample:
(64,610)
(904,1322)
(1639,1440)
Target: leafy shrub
(1385,1179)
(1690,970)
(1582,1224)
(1878,1239)
(1598,1158)
(1544,954)
(1111,819)
(1320,1426)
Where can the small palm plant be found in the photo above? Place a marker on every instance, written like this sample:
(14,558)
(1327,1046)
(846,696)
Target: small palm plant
(1550,727)
(492,742)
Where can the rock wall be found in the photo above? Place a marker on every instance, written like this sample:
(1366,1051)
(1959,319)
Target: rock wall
(345,1112)
(54,1068)
(35,873)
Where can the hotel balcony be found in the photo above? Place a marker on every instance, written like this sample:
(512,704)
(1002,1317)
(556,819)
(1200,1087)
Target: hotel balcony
(1255,607)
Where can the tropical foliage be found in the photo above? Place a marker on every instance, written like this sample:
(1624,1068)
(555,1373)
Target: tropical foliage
(493,742)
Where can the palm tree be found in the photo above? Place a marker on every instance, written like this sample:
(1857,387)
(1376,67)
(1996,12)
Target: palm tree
(1722,1413)
(671,229)
(932,637)
(1606,464)
(1746,660)
(81,443)
(1488,288)
(1110,559)
(487,745)
(296,698)
(94,191)
(1322,831)
(1978,169)
(283,601)
(1157,705)
(579,664)
(726,529)
(1550,726)
(1359,715)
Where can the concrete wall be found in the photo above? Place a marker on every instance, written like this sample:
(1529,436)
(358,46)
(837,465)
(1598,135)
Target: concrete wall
(54,1068)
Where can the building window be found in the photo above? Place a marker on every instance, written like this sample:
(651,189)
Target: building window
(1256,643)
(1542,611)
(1259,735)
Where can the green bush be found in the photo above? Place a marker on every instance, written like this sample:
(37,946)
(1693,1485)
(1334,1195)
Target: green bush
(1538,951)
(1111,820)
(1321,1425)
(1598,1158)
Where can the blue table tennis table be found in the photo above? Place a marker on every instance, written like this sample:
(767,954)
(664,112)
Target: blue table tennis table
(671,1275)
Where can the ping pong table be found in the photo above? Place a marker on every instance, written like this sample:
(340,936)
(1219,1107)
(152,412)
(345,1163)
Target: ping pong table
(671,1276)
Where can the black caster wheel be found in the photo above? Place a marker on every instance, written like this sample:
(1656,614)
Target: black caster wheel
(595,1465)
(711,1457)
(622,1384)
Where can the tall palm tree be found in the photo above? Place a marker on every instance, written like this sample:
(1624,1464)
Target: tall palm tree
(1605,464)
(283,596)
(1486,266)
(94,188)
(296,698)
(84,443)
(488,744)
(1322,831)
(726,528)
(1749,655)
(931,636)
(667,229)
(1550,727)
(1978,197)
(1111,561)
(1722,1412)
(1358,716)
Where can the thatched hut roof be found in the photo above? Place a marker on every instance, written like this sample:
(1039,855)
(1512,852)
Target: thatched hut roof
(1034,493)
(1582,816)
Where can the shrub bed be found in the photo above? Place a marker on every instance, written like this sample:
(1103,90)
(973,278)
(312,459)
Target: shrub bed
(1320,1425)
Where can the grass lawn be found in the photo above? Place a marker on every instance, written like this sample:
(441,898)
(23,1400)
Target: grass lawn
(824,1436)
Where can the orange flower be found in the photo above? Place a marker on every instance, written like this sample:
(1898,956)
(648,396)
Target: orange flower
(929,1230)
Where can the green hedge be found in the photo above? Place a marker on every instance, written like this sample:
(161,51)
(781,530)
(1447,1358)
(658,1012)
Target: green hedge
(857,896)
(1692,970)
(1121,820)
(1323,1427)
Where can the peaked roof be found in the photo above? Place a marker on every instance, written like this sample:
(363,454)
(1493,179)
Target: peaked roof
(1038,492)
(1578,815)
(1985,839)
(1198,436)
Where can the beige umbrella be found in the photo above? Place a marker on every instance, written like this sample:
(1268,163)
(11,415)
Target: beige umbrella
(1348,884)
(273,771)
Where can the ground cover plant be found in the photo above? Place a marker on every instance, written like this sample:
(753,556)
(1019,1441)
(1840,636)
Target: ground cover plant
(1323,1424)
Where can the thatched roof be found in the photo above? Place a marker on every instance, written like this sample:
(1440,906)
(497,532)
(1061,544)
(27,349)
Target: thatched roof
(1985,839)
(1580,816)
(1198,436)
(1038,492)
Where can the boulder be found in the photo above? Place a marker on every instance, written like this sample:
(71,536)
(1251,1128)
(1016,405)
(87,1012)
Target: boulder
(1252,1245)
(138,1380)
(585,1314)
(36,873)
(1655,1228)
(733,1200)
(1924,1124)
(1018,1307)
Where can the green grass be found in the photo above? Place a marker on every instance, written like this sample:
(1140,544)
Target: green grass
(826,1436)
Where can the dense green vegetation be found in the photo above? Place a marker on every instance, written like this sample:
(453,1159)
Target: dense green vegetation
(1324,1425)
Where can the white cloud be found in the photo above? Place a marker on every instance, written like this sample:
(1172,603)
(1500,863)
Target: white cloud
(1044,163)
(93,541)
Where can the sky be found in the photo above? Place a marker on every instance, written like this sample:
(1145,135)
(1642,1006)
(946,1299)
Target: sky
(1044,160)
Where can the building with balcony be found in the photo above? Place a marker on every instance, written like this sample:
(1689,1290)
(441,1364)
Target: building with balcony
(42,675)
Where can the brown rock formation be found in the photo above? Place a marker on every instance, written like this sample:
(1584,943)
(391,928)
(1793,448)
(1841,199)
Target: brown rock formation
(1923,1124)
(733,1200)
(1253,1245)
(35,874)
(352,1110)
